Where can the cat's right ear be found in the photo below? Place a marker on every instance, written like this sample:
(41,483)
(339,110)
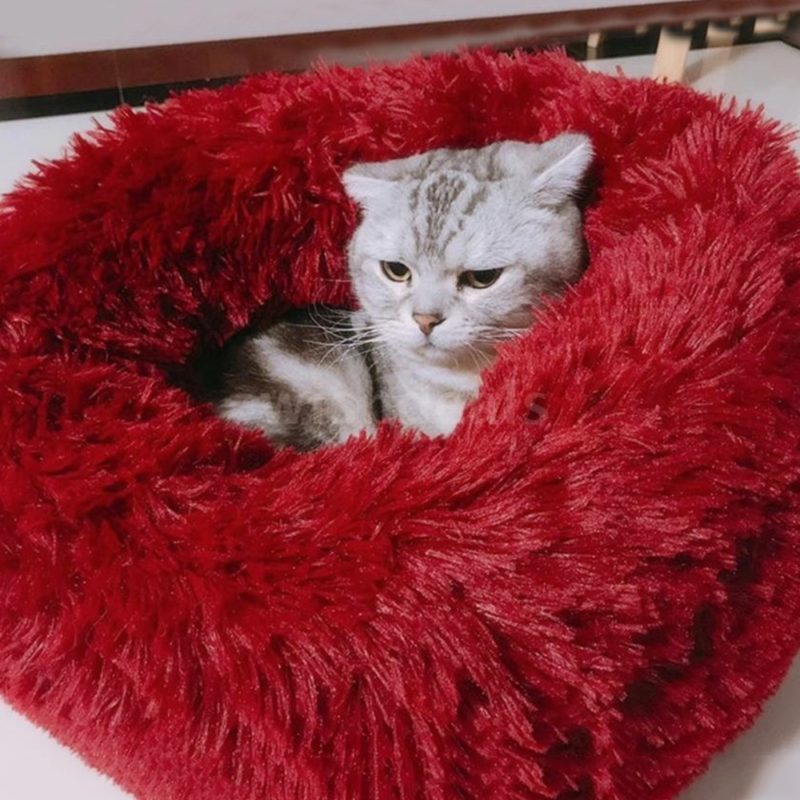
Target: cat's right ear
(363,188)
(373,183)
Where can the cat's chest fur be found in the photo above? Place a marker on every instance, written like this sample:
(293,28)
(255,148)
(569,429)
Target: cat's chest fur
(425,396)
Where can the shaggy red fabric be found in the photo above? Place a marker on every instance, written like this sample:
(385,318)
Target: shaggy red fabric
(584,592)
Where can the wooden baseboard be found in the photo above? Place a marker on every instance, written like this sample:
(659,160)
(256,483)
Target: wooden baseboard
(82,72)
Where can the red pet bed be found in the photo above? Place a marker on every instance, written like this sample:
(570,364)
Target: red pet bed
(584,592)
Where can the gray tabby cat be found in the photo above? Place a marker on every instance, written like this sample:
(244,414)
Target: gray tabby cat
(454,250)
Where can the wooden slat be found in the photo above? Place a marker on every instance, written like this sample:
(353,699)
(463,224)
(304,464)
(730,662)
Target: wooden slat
(78,72)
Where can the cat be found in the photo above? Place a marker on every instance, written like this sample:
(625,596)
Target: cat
(305,380)
(454,251)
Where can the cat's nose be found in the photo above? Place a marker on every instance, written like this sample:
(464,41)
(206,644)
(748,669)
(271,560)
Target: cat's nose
(427,322)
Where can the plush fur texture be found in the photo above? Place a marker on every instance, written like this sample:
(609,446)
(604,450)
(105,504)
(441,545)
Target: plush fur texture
(584,592)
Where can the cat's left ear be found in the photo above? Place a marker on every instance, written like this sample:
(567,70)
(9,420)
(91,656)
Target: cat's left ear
(552,171)
(566,160)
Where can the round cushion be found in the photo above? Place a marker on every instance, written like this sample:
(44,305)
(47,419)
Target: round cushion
(582,594)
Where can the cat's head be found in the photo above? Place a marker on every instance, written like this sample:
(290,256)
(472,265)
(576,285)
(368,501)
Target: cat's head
(455,247)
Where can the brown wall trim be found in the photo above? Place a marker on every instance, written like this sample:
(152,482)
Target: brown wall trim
(78,72)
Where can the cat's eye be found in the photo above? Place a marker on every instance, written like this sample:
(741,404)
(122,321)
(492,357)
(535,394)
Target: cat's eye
(395,271)
(479,278)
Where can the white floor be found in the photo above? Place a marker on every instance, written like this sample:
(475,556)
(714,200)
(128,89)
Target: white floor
(763,764)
